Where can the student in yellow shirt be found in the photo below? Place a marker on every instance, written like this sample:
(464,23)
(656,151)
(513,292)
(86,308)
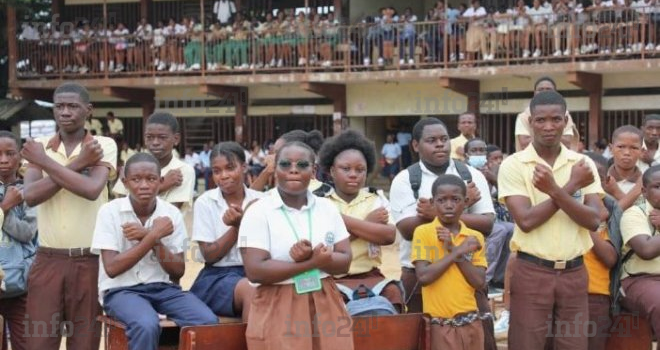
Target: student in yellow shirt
(599,261)
(450,263)
(640,277)
(349,157)
(554,197)
(467,125)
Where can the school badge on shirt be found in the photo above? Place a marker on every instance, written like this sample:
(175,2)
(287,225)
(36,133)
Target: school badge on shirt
(329,240)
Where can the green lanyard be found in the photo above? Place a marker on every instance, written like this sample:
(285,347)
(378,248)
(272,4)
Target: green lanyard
(293,229)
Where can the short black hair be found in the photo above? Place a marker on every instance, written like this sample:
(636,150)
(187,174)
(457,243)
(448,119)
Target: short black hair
(139,158)
(546,78)
(418,128)
(598,159)
(312,154)
(313,139)
(164,118)
(230,150)
(111,113)
(546,98)
(347,140)
(470,142)
(649,117)
(4,134)
(73,88)
(631,129)
(448,179)
(490,149)
(648,173)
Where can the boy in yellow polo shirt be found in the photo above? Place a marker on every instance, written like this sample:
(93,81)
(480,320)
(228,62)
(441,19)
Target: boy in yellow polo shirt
(554,197)
(450,264)
(640,276)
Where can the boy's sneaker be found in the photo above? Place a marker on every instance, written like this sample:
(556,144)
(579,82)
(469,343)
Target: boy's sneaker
(502,324)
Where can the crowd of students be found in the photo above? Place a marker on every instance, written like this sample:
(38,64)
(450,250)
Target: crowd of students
(234,40)
(558,229)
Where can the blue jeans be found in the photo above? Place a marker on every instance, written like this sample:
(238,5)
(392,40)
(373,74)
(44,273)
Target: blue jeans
(408,36)
(138,307)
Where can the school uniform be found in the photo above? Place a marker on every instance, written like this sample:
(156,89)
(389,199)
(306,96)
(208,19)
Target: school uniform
(640,279)
(138,295)
(599,295)
(456,143)
(450,300)
(404,205)
(116,126)
(179,194)
(216,283)
(19,227)
(656,159)
(551,255)
(523,128)
(279,317)
(367,257)
(63,277)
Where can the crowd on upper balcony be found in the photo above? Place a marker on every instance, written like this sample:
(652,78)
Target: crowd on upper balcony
(286,39)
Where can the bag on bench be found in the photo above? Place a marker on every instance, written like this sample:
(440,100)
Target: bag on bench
(364,301)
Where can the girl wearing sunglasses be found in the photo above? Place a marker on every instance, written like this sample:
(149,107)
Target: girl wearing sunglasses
(292,242)
(350,157)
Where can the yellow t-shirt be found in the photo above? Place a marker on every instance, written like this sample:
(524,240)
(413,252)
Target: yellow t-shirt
(456,143)
(451,294)
(559,238)
(67,220)
(599,274)
(635,222)
(359,208)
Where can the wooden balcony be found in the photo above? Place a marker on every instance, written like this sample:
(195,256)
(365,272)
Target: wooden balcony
(619,39)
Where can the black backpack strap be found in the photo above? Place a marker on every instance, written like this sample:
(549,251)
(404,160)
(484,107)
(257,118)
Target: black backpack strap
(463,171)
(323,191)
(415,178)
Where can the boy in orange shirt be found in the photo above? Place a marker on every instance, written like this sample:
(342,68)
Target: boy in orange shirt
(450,263)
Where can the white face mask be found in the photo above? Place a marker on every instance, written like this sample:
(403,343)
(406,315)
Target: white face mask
(477,161)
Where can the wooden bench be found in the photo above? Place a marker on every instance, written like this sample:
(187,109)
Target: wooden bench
(115,337)
(629,332)
(369,333)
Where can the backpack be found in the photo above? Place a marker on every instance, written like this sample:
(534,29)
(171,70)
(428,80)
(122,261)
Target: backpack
(364,301)
(16,259)
(415,175)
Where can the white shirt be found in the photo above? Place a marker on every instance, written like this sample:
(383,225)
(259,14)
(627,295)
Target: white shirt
(471,12)
(391,150)
(404,205)
(265,227)
(223,10)
(192,159)
(209,227)
(108,235)
(538,15)
(403,138)
(144,31)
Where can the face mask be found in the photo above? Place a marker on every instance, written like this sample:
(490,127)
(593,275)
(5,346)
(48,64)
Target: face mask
(477,161)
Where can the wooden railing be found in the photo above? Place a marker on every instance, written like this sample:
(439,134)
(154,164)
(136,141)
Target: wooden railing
(611,33)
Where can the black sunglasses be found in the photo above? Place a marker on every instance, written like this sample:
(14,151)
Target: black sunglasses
(285,164)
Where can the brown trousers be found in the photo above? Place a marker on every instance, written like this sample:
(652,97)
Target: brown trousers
(468,337)
(599,321)
(13,311)
(643,298)
(414,298)
(63,299)
(548,303)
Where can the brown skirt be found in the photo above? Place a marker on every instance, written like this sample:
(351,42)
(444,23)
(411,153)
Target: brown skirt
(281,319)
